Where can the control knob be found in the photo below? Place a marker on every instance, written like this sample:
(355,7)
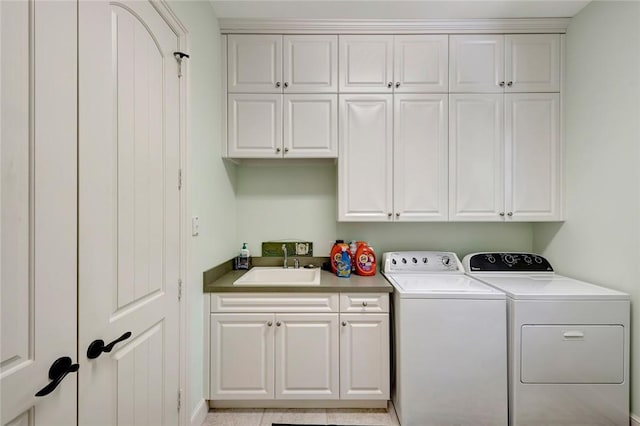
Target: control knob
(404,260)
(445,260)
(414,260)
(425,260)
(490,258)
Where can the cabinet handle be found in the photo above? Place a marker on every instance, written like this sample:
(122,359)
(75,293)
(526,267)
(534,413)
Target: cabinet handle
(344,323)
(277,84)
(278,323)
(389,214)
(286,84)
(389,85)
(270,323)
(277,149)
(364,304)
(501,84)
(501,213)
(510,214)
(397,214)
(286,150)
(398,84)
(510,83)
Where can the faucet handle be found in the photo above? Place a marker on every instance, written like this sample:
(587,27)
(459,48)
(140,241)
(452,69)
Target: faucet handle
(296,263)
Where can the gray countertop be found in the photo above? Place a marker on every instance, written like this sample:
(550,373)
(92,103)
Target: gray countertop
(221,278)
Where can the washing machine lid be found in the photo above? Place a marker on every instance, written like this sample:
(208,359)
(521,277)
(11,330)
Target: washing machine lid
(442,286)
(548,287)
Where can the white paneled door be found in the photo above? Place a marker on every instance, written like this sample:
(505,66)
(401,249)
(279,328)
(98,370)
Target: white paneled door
(129,215)
(38,223)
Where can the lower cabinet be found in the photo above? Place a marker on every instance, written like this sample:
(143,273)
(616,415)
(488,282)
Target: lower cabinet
(275,346)
(364,356)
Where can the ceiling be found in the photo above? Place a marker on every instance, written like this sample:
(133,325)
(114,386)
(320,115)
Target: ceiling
(396,9)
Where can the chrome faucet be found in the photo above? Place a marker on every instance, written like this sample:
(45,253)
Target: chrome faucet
(284,250)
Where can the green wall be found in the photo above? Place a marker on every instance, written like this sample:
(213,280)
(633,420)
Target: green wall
(600,240)
(299,202)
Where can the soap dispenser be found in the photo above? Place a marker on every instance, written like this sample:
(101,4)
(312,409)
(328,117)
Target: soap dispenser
(242,261)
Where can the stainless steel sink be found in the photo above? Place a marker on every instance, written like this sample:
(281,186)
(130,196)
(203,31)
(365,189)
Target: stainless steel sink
(279,276)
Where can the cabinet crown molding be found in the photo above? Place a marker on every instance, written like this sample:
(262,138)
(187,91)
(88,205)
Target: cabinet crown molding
(394,26)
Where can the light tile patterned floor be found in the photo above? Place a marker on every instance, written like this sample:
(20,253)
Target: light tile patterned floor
(316,416)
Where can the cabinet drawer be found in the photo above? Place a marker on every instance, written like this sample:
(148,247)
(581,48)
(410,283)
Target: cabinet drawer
(364,302)
(274,302)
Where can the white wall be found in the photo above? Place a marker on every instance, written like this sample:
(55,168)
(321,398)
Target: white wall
(600,241)
(299,202)
(211,182)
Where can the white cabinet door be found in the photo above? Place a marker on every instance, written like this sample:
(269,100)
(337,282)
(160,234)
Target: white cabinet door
(421,64)
(310,126)
(366,64)
(365,190)
(420,191)
(254,63)
(38,222)
(476,157)
(364,356)
(533,157)
(532,63)
(310,64)
(307,356)
(242,363)
(476,63)
(255,125)
(129,213)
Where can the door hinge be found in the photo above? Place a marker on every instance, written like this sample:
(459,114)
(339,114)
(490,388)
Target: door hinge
(179,179)
(179,57)
(179,289)
(179,399)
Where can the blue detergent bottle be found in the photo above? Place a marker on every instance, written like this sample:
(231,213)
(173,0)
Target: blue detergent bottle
(344,266)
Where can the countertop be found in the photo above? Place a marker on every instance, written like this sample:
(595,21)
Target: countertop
(222,281)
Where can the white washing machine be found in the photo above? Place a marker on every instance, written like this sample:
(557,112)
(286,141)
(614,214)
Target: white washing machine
(450,351)
(568,343)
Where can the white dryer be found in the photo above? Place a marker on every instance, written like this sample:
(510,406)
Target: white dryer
(568,343)
(450,353)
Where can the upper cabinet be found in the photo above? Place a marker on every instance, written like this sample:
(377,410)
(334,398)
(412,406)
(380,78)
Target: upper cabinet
(504,63)
(282,64)
(393,64)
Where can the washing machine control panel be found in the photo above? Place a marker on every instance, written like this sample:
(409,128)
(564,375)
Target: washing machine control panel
(421,261)
(508,262)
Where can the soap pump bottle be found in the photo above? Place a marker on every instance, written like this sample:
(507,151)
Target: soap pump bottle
(242,261)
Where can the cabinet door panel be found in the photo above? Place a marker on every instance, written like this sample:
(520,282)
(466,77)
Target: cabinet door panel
(364,356)
(476,63)
(366,63)
(254,63)
(421,64)
(307,356)
(310,126)
(420,157)
(242,356)
(255,126)
(365,161)
(476,159)
(533,156)
(533,62)
(310,64)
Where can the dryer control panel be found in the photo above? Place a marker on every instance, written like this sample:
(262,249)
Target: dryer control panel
(421,262)
(506,262)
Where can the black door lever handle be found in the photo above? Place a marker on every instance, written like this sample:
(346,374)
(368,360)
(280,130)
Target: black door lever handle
(58,371)
(97,346)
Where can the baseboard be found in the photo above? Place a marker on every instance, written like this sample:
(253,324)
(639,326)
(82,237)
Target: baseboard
(634,420)
(199,414)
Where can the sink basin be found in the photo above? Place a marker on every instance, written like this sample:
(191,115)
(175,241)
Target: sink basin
(279,276)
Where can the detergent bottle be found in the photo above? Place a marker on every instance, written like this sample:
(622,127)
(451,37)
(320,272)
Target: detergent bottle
(344,266)
(336,255)
(365,260)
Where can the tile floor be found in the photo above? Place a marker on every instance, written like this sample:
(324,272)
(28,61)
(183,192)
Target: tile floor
(316,416)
